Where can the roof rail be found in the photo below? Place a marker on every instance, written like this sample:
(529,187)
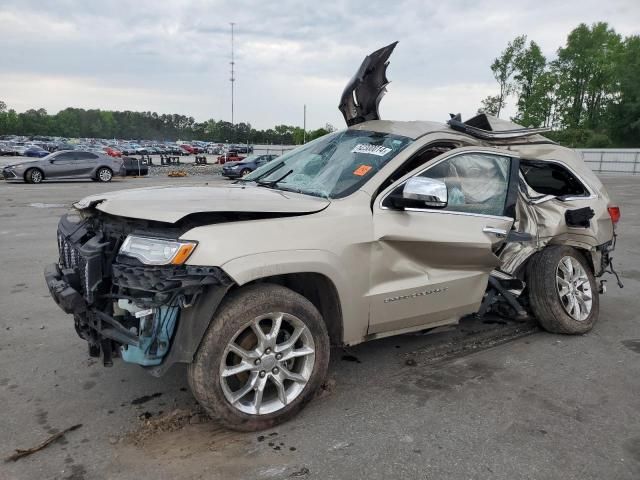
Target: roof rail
(456,123)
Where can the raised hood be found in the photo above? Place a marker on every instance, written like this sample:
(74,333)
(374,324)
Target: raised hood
(170,204)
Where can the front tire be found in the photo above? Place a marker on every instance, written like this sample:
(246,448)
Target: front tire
(104,174)
(245,172)
(262,359)
(34,175)
(563,291)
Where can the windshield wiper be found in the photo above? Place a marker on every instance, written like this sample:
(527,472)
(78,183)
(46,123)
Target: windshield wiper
(268,172)
(273,183)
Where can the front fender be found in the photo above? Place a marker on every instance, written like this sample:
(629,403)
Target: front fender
(355,309)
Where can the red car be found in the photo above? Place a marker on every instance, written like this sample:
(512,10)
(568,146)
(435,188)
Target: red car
(188,148)
(230,156)
(112,152)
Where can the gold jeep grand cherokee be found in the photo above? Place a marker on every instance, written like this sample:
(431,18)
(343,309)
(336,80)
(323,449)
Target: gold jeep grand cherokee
(383,228)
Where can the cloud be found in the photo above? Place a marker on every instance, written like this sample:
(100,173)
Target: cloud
(174,56)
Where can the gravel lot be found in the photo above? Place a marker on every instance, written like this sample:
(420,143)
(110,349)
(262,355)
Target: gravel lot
(482,400)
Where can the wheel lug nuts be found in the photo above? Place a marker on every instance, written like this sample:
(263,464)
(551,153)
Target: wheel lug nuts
(258,361)
(267,351)
(262,373)
(275,370)
(278,356)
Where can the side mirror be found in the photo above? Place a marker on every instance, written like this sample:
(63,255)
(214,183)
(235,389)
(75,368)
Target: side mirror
(422,192)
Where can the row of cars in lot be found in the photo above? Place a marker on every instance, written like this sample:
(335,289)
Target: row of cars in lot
(41,146)
(78,164)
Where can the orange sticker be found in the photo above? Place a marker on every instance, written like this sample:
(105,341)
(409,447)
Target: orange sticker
(362,170)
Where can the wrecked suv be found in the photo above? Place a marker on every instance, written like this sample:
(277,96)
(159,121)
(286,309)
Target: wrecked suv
(380,229)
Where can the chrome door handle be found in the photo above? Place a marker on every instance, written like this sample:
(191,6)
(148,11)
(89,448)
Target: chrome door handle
(496,231)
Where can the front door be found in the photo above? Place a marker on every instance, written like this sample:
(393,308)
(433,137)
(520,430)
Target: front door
(431,266)
(62,165)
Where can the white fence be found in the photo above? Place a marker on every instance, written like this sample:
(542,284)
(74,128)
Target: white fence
(612,160)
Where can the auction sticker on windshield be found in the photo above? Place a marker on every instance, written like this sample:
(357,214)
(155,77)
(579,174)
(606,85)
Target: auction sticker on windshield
(378,150)
(362,170)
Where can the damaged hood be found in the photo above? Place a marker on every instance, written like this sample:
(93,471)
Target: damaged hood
(170,204)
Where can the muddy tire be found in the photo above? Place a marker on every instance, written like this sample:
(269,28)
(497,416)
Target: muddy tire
(562,291)
(262,359)
(34,175)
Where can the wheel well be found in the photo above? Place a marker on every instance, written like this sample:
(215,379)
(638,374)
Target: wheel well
(320,291)
(522,270)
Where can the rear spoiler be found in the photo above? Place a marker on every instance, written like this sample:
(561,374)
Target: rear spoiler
(456,123)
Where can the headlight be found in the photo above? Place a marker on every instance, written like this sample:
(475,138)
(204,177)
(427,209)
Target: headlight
(155,251)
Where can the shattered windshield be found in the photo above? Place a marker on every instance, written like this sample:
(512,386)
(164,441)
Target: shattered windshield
(332,166)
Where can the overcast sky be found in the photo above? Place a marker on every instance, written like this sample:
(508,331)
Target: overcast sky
(173,56)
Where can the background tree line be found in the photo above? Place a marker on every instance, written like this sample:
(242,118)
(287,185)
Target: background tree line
(80,123)
(589,94)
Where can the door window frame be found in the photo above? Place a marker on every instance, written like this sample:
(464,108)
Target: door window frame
(512,188)
(541,198)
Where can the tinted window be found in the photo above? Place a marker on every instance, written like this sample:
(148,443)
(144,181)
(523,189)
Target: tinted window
(66,156)
(86,156)
(551,179)
(476,182)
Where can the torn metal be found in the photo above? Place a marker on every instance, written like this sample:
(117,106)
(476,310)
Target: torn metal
(121,307)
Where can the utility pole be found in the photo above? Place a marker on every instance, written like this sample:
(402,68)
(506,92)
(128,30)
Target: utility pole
(233,77)
(304,125)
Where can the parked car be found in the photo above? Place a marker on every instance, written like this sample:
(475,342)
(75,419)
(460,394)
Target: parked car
(246,166)
(230,156)
(187,148)
(112,152)
(35,152)
(384,228)
(65,165)
(8,150)
(128,150)
(242,148)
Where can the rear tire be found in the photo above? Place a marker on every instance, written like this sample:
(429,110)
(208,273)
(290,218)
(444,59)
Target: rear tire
(104,174)
(34,175)
(278,380)
(562,291)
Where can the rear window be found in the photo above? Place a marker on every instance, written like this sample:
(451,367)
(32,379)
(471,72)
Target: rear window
(549,178)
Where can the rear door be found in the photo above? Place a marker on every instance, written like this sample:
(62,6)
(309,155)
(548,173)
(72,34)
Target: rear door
(431,266)
(85,164)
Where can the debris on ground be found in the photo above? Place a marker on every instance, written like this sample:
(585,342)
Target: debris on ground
(327,388)
(19,452)
(171,422)
(303,472)
(190,168)
(177,173)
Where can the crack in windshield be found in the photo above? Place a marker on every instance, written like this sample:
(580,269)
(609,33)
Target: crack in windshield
(332,166)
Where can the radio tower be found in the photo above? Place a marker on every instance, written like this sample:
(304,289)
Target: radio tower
(233,78)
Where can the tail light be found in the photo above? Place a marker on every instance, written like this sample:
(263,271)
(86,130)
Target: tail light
(614,213)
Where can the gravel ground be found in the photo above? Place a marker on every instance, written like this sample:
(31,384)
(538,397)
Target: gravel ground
(190,169)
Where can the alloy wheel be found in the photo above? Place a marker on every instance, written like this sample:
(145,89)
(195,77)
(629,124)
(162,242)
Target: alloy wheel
(574,288)
(267,364)
(36,176)
(104,174)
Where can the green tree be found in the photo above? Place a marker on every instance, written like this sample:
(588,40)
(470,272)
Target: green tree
(531,85)
(490,105)
(624,112)
(503,69)
(587,72)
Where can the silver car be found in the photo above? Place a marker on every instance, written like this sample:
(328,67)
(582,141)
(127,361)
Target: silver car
(66,164)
